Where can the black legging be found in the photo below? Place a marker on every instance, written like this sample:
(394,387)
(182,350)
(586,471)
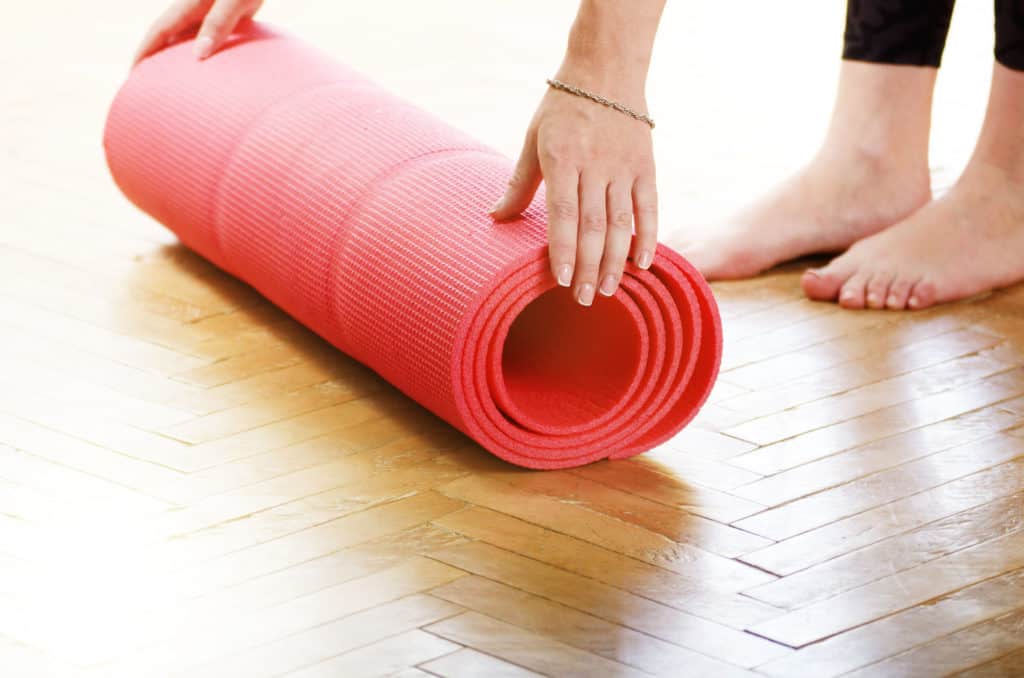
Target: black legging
(913,32)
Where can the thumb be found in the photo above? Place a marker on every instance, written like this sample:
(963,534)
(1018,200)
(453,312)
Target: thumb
(523,184)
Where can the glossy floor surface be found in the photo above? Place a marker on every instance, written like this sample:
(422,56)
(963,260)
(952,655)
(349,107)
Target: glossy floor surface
(191,483)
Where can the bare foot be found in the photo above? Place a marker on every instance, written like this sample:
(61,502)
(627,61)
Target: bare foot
(968,241)
(839,198)
(871,172)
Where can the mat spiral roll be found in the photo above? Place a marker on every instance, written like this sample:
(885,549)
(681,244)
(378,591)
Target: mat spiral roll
(364,218)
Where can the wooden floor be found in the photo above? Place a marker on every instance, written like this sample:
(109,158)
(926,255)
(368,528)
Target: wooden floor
(192,483)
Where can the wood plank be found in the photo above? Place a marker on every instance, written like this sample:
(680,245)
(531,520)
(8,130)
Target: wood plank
(956,652)
(673,522)
(896,554)
(896,592)
(389,656)
(518,646)
(828,381)
(1007,666)
(882,423)
(592,634)
(886,520)
(646,478)
(690,594)
(877,456)
(881,488)
(852,403)
(380,639)
(211,639)
(720,573)
(600,600)
(895,634)
(469,662)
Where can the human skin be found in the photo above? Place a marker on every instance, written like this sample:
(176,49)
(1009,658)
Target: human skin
(211,21)
(968,241)
(870,172)
(597,163)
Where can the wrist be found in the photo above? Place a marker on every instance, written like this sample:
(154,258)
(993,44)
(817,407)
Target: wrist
(609,47)
(610,79)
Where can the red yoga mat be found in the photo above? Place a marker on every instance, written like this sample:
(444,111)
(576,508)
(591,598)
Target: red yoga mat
(365,218)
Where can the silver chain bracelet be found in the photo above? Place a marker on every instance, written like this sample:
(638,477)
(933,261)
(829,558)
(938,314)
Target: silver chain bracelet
(557,84)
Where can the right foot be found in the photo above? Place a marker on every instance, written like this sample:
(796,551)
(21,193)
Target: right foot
(838,199)
(871,172)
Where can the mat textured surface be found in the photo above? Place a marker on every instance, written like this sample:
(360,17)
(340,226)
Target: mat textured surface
(364,217)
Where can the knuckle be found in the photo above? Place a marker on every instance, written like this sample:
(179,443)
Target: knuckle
(621,220)
(592,223)
(647,206)
(518,177)
(563,210)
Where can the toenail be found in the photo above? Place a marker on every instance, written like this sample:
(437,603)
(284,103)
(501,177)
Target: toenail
(847,294)
(913,301)
(872,298)
(891,301)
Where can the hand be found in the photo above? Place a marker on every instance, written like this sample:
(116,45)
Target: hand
(598,168)
(216,19)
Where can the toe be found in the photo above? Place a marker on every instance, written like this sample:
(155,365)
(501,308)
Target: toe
(878,290)
(899,292)
(823,284)
(922,295)
(853,291)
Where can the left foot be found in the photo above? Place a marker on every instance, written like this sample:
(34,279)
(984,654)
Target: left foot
(968,241)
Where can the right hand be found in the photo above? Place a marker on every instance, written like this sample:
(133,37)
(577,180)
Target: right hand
(598,168)
(215,20)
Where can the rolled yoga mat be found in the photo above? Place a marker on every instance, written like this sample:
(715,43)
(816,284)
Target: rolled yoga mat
(365,218)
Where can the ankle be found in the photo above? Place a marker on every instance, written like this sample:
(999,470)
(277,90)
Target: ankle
(987,176)
(901,168)
(882,114)
(1000,147)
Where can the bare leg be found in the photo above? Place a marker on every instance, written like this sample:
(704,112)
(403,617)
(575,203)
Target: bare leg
(871,172)
(968,241)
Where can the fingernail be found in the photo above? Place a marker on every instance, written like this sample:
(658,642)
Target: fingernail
(497,206)
(202,47)
(565,275)
(644,260)
(586,295)
(608,285)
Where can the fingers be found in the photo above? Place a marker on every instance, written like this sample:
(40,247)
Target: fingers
(619,235)
(562,198)
(645,207)
(177,18)
(590,228)
(220,21)
(524,182)
(593,227)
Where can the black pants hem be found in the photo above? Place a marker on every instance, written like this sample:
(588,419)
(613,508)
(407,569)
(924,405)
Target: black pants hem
(913,32)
